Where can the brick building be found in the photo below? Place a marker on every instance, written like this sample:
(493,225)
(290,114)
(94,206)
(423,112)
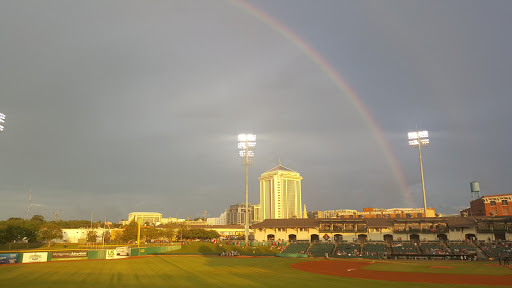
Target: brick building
(492,205)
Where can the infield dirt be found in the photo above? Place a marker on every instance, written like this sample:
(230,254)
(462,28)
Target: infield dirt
(353,269)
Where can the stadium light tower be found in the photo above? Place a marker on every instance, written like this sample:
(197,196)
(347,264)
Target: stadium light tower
(2,120)
(246,146)
(419,138)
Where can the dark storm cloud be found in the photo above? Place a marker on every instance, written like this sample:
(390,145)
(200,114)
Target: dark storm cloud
(124,106)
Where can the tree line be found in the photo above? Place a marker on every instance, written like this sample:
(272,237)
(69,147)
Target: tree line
(37,230)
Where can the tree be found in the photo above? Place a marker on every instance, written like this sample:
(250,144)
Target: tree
(18,229)
(169,230)
(50,231)
(107,236)
(92,236)
(200,234)
(38,218)
(130,232)
(151,233)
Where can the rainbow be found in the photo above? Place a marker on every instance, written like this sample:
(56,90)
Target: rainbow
(340,83)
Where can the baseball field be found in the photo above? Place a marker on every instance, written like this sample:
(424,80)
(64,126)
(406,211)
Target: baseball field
(243,271)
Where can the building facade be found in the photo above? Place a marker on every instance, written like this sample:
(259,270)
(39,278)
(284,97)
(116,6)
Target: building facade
(151,218)
(459,229)
(280,194)
(235,215)
(492,205)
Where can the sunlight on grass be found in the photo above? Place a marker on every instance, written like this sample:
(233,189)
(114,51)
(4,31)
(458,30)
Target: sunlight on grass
(179,271)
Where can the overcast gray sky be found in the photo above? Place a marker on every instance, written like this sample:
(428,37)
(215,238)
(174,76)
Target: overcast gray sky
(122,106)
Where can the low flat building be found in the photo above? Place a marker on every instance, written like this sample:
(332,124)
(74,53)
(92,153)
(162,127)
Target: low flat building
(151,218)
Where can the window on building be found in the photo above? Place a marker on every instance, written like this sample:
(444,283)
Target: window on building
(397,215)
(494,212)
(504,202)
(419,215)
(350,216)
(505,211)
(359,216)
(408,215)
(493,203)
(378,216)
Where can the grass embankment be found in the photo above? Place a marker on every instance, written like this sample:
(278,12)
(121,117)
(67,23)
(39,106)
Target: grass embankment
(441,267)
(13,247)
(208,248)
(162,271)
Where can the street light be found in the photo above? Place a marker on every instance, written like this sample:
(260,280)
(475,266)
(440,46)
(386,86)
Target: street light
(246,146)
(417,139)
(2,120)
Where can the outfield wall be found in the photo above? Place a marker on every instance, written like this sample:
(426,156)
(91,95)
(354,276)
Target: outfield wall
(67,255)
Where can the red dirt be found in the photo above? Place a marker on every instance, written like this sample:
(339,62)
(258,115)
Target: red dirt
(441,267)
(352,269)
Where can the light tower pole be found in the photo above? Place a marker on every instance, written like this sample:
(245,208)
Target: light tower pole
(419,138)
(246,145)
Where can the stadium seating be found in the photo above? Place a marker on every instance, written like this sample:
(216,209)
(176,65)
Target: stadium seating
(497,250)
(346,250)
(296,248)
(433,249)
(462,248)
(374,250)
(405,248)
(319,250)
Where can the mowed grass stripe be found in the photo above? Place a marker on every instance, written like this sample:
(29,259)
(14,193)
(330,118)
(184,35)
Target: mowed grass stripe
(168,271)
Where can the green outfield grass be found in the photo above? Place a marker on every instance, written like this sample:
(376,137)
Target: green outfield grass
(181,271)
(470,268)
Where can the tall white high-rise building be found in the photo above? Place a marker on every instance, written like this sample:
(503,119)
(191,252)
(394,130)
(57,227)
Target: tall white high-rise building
(280,194)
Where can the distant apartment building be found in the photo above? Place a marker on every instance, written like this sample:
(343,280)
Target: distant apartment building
(280,194)
(235,215)
(222,220)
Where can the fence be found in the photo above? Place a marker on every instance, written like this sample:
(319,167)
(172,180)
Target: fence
(58,255)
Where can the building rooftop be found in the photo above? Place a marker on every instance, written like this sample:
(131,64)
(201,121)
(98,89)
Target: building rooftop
(281,168)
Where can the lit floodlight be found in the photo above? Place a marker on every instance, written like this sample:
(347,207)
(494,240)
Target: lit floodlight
(246,137)
(2,120)
(417,135)
(423,134)
(417,138)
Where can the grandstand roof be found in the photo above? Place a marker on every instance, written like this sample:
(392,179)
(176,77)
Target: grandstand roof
(379,222)
(460,222)
(287,223)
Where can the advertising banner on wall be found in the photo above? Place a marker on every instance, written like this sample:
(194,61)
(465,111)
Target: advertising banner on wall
(120,252)
(35,257)
(111,254)
(123,252)
(8,258)
(70,255)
